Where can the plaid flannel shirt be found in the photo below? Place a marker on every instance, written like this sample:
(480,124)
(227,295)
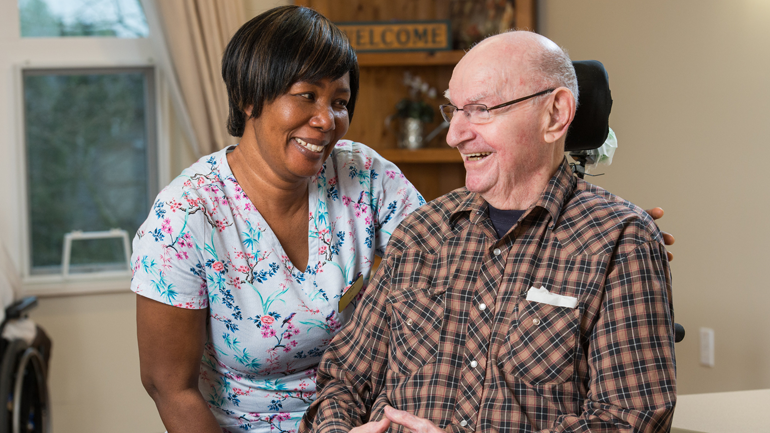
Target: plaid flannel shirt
(446,333)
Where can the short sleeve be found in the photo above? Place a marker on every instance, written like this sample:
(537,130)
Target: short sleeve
(167,262)
(395,197)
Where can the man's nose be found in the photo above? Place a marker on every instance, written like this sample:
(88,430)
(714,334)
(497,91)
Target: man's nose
(459,130)
(323,118)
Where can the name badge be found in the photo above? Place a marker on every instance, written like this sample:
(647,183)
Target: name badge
(351,294)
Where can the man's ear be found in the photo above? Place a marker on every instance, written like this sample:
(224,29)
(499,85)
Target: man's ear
(560,113)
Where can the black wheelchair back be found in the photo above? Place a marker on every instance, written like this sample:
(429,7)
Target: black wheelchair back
(25,404)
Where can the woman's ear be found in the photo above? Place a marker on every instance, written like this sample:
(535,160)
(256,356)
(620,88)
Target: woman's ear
(560,114)
(248,110)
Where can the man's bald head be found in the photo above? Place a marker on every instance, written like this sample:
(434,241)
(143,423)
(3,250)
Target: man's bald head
(524,59)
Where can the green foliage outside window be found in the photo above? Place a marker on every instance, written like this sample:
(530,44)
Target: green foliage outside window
(87,161)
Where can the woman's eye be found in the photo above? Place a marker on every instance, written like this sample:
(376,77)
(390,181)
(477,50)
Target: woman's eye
(342,103)
(309,96)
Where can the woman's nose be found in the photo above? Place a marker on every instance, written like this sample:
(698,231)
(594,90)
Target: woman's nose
(323,118)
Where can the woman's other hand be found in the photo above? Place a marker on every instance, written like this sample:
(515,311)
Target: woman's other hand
(657,213)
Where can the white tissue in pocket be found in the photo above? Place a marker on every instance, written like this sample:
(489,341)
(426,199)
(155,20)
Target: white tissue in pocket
(543,296)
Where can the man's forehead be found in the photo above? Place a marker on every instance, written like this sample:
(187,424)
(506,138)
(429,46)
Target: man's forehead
(481,83)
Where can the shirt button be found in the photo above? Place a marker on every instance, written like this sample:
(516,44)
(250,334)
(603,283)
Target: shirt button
(482,307)
(409,322)
(463,423)
(474,364)
(536,321)
(497,251)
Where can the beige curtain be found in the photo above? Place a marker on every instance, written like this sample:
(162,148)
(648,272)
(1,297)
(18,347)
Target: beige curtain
(194,36)
(10,281)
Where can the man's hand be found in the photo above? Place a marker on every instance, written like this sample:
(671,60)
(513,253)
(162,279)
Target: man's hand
(657,213)
(373,427)
(413,423)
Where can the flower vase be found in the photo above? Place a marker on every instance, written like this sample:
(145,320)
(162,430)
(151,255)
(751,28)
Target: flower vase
(411,134)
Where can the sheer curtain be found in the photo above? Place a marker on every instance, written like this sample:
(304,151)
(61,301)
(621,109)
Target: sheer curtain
(10,281)
(190,37)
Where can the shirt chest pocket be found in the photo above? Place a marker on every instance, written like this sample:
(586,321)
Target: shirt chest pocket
(415,331)
(416,314)
(541,346)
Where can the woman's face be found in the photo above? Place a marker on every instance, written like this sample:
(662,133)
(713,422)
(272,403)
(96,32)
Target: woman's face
(296,132)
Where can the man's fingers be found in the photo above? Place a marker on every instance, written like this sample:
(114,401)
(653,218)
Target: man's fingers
(655,213)
(373,427)
(413,423)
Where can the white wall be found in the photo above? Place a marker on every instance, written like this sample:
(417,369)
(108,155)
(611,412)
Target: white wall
(690,102)
(692,96)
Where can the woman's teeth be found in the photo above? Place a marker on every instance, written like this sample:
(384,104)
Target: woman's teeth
(308,146)
(477,156)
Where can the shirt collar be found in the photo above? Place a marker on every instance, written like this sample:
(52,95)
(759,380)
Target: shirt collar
(552,199)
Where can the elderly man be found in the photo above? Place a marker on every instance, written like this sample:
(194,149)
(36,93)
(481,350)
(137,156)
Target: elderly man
(527,301)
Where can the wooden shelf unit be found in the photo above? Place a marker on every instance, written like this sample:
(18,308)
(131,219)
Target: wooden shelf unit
(428,155)
(415,58)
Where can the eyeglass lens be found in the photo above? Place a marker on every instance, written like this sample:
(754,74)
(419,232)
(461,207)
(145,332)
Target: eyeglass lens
(476,113)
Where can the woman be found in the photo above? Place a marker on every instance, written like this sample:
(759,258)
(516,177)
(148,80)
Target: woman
(241,265)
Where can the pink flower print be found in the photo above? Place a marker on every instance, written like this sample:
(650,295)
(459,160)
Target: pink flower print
(282,416)
(267,319)
(268,332)
(235,282)
(201,181)
(390,174)
(368,220)
(287,349)
(333,181)
(322,250)
(182,255)
(293,343)
(174,205)
(188,184)
(218,266)
(346,200)
(295,331)
(221,225)
(368,163)
(243,269)
(166,226)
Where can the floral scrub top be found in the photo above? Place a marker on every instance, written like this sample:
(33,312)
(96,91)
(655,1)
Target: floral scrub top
(205,245)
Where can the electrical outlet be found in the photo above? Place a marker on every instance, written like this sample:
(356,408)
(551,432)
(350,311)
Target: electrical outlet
(707,347)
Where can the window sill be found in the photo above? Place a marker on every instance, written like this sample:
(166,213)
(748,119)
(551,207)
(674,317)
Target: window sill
(52,286)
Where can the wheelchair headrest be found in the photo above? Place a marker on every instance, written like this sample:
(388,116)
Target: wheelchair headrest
(591,125)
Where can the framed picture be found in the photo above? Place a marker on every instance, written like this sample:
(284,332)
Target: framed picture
(473,20)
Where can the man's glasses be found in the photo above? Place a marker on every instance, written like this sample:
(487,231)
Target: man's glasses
(479,113)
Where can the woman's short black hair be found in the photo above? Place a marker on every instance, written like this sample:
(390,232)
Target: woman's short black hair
(278,48)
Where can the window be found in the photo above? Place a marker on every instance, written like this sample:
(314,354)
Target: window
(100,18)
(90,158)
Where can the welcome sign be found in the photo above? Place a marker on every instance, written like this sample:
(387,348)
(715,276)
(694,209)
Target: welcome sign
(378,36)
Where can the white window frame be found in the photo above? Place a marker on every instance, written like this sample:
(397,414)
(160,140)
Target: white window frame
(56,54)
